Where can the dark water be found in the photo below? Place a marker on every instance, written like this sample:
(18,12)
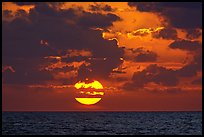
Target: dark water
(101,123)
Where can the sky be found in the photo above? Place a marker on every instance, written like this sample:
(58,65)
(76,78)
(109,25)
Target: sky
(146,55)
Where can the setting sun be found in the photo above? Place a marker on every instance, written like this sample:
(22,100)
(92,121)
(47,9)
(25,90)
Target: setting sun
(95,84)
(88,101)
(90,93)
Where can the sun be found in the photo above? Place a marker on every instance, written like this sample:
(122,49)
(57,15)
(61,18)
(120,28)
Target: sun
(88,101)
(95,84)
(89,93)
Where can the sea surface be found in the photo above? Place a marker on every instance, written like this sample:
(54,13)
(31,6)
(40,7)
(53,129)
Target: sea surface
(102,123)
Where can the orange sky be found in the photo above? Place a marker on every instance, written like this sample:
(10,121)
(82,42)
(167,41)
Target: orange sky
(145,59)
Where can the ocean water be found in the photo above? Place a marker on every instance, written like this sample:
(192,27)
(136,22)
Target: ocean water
(102,123)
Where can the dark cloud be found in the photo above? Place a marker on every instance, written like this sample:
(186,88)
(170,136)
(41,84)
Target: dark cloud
(194,48)
(194,66)
(142,55)
(53,4)
(44,10)
(98,20)
(20,41)
(153,73)
(76,58)
(100,7)
(166,33)
(179,14)
(166,77)
(27,72)
(7,13)
(23,50)
(21,13)
(146,6)
(26,3)
(193,33)
(185,45)
(187,71)
(185,17)
(148,56)
(160,75)
(100,68)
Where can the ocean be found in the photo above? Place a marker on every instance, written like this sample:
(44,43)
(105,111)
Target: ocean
(102,123)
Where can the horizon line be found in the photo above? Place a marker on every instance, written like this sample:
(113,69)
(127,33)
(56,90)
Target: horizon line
(110,111)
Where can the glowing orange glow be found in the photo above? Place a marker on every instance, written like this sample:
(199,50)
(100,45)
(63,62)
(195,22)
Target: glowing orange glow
(53,57)
(14,7)
(121,59)
(88,101)
(95,84)
(143,32)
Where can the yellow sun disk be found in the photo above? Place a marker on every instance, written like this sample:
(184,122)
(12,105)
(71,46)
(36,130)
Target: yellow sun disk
(88,101)
(95,84)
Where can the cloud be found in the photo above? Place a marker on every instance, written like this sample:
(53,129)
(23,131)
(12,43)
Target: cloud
(7,13)
(166,77)
(166,33)
(53,4)
(195,49)
(144,32)
(185,45)
(187,71)
(64,31)
(159,75)
(97,20)
(146,6)
(193,33)
(100,68)
(101,7)
(153,73)
(140,55)
(156,74)
(179,14)
(149,56)
(194,66)
(27,72)
(25,3)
